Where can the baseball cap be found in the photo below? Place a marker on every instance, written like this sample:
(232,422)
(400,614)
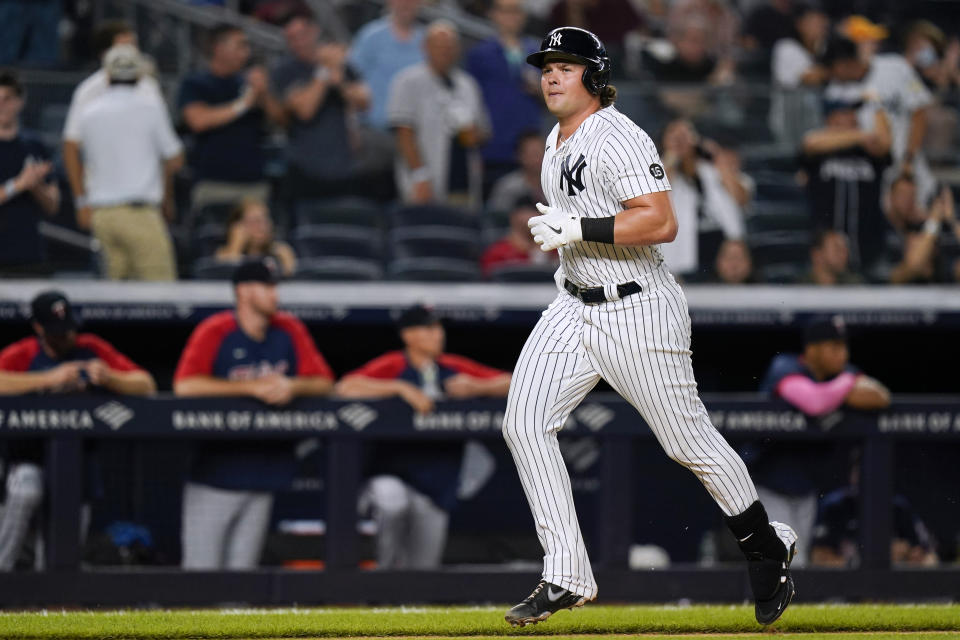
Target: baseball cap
(417,316)
(123,62)
(862,29)
(52,311)
(260,270)
(823,329)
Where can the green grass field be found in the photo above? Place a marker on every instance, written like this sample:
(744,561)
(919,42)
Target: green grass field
(806,622)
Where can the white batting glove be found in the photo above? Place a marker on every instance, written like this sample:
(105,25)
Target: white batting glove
(555,228)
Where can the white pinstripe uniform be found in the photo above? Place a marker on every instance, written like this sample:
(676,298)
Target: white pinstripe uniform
(639,344)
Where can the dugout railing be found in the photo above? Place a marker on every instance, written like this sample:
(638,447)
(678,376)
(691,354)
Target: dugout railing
(64,422)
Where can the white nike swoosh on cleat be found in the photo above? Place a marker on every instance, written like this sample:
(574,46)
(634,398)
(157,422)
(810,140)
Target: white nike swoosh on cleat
(554,597)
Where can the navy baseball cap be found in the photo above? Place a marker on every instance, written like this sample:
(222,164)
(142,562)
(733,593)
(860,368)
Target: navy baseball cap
(263,270)
(825,329)
(52,311)
(417,316)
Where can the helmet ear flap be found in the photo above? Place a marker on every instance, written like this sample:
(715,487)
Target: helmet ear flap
(597,76)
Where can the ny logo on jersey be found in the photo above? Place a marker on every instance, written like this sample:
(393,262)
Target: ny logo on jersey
(574,175)
(555,39)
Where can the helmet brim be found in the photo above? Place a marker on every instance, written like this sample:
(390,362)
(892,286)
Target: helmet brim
(541,58)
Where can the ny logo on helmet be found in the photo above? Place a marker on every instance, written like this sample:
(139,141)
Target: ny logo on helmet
(573,176)
(555,39)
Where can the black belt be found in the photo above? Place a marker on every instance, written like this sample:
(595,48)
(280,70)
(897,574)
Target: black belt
(596,295)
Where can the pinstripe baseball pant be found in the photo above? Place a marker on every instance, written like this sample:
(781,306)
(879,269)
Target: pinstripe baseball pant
(641,346)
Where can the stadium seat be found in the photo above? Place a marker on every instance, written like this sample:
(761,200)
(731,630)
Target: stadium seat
(348,211)
(213,213)
(212,269)
(780,254)
(435,214)
(777,218)
(435,241)
(780,191)
(535,273)
(433,270)
(339,268)
(793,210)
(330,240)
(205,239)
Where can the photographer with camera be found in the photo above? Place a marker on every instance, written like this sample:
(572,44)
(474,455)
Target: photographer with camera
(709,195)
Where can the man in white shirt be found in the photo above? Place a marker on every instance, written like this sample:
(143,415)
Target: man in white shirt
(439,119)
(886,83)
(109,34)
(130,154)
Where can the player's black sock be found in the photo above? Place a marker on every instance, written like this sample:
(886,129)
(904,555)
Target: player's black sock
(754,533)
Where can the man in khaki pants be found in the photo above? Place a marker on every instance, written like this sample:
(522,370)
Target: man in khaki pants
(130,154)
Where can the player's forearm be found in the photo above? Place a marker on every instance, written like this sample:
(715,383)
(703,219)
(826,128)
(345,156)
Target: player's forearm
(816,398)
(73,167)
(357,386)
(14,383)
(132,383)
(196,386)
(494,387)
(311,385)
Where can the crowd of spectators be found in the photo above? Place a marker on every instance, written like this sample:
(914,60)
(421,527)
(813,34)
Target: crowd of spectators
(409,115)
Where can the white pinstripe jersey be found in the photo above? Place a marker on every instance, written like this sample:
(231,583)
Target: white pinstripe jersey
(607,161)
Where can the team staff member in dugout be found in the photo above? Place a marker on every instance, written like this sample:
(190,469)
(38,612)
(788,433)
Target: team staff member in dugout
(57,359)
(252,351)
(415,486)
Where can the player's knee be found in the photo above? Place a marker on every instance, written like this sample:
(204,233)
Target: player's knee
(25,483)
(389,496)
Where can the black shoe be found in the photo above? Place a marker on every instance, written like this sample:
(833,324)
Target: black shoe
(545,600)
(773,576)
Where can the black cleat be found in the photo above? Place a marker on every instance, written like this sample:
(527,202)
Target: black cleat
(764,571)
(545,600)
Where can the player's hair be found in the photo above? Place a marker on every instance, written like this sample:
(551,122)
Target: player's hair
(608,95)
(218,34)
(106,33)
(9,78)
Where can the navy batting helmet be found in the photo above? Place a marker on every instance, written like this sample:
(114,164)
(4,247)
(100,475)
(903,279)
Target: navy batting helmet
(582,46)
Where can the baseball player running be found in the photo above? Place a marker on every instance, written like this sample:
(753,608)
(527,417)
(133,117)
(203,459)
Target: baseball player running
(620,316)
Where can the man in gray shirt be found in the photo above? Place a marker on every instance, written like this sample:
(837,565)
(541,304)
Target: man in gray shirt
(439,120)
(319,92)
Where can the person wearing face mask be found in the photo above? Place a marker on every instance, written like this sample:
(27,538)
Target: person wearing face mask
(56,359)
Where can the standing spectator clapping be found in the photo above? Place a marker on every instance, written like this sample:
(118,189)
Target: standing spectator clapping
(226,110)
(28,192)
(320,92)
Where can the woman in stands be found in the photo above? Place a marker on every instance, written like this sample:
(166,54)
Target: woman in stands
(250,233)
